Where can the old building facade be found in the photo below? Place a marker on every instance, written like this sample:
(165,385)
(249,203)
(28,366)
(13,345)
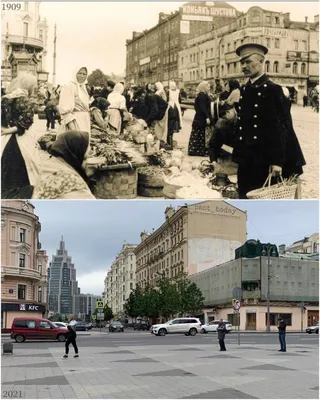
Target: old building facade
(307,245)
(120,280)
(23,263)
(152,55)
(24,37)
(292,60)
(294,292)
(193,238)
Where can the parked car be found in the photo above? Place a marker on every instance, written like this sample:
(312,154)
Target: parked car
(313,329)
(81,326)
(59,324)
(188,326)
(89,325)
(142,325)
(116,326)
(213,325)
(29,328)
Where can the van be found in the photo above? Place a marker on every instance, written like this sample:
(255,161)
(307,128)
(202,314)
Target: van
(28,328)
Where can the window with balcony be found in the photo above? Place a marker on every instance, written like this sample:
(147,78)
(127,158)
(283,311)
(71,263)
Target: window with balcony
(22,260)
(22,235)
(21,292)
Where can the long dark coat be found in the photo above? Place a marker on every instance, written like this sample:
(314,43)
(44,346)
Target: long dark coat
(202,109)
(265,135)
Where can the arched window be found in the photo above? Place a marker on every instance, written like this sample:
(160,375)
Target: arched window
(295,68)
(276,67)
(267,66)
(303,69)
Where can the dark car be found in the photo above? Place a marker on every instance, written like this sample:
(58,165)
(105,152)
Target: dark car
(142,325)
(116,326)
(81,326)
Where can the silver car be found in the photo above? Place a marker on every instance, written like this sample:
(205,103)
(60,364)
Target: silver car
(189,326)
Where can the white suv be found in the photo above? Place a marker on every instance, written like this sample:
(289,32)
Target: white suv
(188,325)
(213,325)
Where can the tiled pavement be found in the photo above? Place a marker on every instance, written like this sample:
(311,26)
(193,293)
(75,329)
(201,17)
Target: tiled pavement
(167,371)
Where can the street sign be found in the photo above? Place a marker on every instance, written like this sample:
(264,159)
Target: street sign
(99,303)
(236,305)
(94,317)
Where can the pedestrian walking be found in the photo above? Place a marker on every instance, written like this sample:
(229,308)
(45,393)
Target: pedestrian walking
(305,100)
(221,334)
(71,338)
(266,141)
(282,335)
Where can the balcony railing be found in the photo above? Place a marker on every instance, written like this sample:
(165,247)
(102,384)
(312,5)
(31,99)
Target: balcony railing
(21,272)
(251,294)
(17,39)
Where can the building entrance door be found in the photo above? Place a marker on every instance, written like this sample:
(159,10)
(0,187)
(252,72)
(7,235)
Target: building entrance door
(313,317)
(251,324)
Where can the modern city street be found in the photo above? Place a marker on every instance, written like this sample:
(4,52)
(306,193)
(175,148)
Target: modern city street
(141,365)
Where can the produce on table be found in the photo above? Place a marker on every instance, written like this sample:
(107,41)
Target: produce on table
(111,155)
(151,171)
(176,162)
(177,154)
(186,167)
(198,192)
(186,179)
(157,158)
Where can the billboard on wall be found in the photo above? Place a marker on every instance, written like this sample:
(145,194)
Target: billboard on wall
(207,11)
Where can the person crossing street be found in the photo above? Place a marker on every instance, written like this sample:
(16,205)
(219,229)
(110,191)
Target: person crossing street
(282,335)
(221,335)
(71,338)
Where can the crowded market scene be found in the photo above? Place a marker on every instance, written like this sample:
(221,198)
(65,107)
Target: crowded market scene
(121,139)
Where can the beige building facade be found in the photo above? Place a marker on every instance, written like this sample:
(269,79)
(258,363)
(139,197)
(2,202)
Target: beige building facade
(120,280)
(292,60)
(307,245)
(294,292)
(23,263)
(192,239)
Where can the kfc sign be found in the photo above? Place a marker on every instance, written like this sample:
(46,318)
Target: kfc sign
(28,307)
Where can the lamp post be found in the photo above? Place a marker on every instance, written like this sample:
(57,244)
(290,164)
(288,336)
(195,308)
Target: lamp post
(266,250)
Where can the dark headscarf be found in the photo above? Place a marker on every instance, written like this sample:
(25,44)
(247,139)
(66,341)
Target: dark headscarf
(101,103)
(72,147)
(233,84)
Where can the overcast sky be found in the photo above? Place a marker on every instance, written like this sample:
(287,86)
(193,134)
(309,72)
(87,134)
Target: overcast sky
(94,33)
(94,231)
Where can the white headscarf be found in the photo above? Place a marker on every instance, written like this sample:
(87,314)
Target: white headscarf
(118,88)
(82,89)
(160,90)
(172,85)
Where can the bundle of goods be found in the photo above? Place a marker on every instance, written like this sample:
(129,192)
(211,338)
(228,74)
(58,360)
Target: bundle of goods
(138,130)
(150,181)
(158,159)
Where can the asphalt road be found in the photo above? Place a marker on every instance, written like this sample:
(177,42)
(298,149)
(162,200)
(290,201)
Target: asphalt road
(131,338)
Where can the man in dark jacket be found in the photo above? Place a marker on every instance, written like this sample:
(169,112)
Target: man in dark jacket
(221,334)
(282,335)
(266,141)
(71,336)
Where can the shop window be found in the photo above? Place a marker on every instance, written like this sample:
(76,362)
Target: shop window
(21,292)
(22,260)
(274,319)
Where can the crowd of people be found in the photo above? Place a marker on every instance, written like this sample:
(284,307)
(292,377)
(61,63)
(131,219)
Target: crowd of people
(250,126)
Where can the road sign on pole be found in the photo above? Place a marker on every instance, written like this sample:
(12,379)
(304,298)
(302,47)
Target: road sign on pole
(236,304)
(99,303)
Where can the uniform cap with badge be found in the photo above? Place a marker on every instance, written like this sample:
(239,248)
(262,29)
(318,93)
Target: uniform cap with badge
(248,49)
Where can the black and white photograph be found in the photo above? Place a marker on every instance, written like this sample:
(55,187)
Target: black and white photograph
(163,100)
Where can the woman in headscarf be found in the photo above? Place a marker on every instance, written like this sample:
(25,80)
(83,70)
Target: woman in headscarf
(74,103)
(174,102)
(116,108)
(63,175)
(20,160)
(233,86)
(160,91)
(98,114)
(202,119)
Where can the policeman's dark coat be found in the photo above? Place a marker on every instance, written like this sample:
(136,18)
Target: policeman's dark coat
(265,134)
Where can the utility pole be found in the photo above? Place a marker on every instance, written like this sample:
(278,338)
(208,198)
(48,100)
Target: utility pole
(267,251)
(54,55)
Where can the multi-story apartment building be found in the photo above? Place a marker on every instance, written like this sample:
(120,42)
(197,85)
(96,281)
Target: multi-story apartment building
(152,55)
(307,245)
(292,60)
(193,238)
(293,285)
(62,287)
(120,280)
(23,263)
(85,305)
(24,37)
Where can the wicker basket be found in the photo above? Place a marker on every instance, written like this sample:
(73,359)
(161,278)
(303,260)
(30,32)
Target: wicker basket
(149,191)
(282,190)
(116,182)
(170,191)
(156,181)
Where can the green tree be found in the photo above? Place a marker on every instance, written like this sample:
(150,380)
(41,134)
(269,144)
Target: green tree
(195,299)
(151,307)
(98,78)
(168,297)
(108,314)
(134,305)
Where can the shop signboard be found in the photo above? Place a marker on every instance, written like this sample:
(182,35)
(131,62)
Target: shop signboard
(144,61)
(297,56)
(194,9)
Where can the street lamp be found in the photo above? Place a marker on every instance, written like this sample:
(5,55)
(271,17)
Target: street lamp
(266,250)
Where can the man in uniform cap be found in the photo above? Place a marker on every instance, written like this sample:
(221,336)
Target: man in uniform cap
(265,141)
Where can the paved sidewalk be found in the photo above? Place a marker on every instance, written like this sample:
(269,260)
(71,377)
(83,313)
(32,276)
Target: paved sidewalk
(169,371)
